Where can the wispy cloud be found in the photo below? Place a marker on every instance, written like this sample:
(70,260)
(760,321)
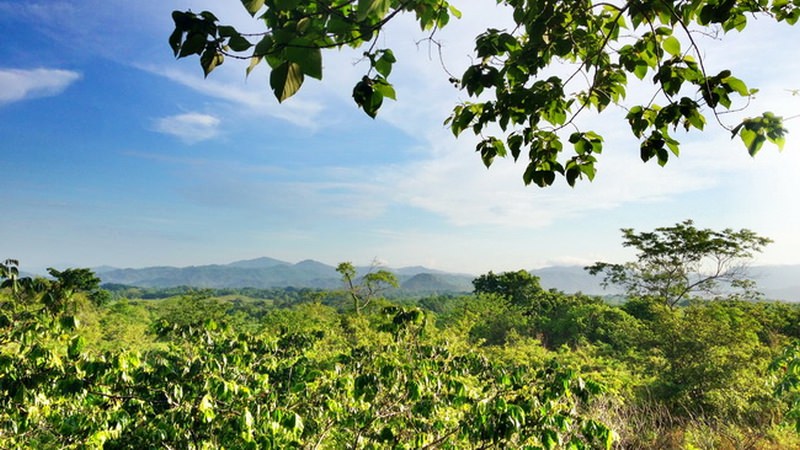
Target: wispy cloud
(19,84)
(299,112)
(457,188)
(36,10)
(211,165)
(189,127)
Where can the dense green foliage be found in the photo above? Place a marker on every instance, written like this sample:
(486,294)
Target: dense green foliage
(308,377)
(530,83)
(210,369)
(511,366)
(518,287)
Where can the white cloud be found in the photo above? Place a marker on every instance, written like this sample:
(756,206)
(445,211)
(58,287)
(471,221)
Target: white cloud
(189,127)
(455,185)
(253,99)
(17,84)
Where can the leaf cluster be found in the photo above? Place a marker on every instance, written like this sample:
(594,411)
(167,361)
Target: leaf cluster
(522,106)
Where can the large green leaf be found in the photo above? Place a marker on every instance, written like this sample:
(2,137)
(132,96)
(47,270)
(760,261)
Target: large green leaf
(372,9)
(285,80)
(385,89)
(238,43)
(309,60)
(384,64)
(193,45)
(253,6)
(672,46)
(253,63)
(210,60)
(737,86)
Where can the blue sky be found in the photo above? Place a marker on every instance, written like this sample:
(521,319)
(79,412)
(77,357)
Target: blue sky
(112,152)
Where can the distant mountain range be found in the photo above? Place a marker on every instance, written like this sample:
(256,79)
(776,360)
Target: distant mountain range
(777,282)
(269,273)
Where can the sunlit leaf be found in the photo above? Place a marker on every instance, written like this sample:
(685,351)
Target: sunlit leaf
(672,46)
(286,80)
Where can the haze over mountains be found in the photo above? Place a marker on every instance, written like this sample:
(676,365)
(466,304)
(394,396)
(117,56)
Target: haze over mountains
(777,282)
(269,272)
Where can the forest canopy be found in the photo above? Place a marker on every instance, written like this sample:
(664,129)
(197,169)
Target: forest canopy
(511,366)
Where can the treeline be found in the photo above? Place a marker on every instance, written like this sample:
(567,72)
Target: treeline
(285,295)
(196,371)
(495,369)
(510,366)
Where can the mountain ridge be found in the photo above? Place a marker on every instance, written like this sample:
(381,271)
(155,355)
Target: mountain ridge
(776,281)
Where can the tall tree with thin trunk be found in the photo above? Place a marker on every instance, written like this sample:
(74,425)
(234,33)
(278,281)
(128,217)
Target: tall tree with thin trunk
(674,263)
(362,290)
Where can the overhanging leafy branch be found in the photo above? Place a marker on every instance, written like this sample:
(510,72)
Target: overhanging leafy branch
(514,81)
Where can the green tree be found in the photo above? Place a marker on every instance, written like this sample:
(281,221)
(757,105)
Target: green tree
(713,362)
(496,320)
(9,273)
(511,80)
(576,319)
(21,287)
(675,262)
(71,281)
(362,290)
(786,371)
(518,287)
(191,310)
